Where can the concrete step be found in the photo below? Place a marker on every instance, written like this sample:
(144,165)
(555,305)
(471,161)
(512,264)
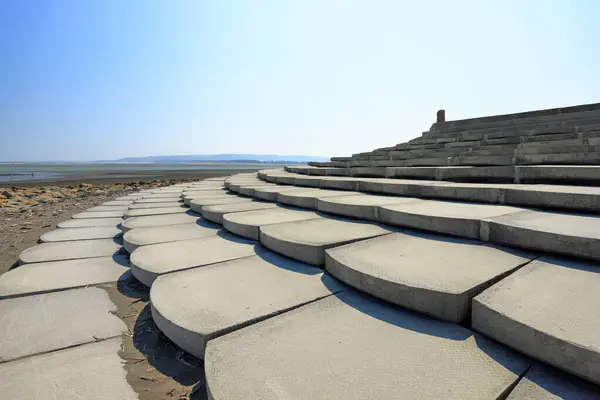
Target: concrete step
(247,224)
(308,198)
(108,208)
(71,250)
(149,262)
(54,276)
(216,213)
(250,190)
(432,274)
(547,310)
(198,203)
(136,238)
(359,206)
(147,212)
(163,204)
(54,321)
(65,373)
(349,346)
(90,222)
(188,198)
(118,203)
(544,383)
(306,241)
(99,214)
(162,196)
(84,233)
(188,217)
(155,201)
(271,193)
(198,305)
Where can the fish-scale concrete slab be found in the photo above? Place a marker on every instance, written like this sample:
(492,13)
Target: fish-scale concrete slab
(169,190)
(206,191)
(90,222)
(189,217)
(197,204)
(148,262)
(163,204)
(99,214)
(187,199)
(215,213)
(117,203)
(91,372)
(154,201)
(53,321)
(307,240)
(162,234)
(271,193)
(162,196)
(431,274)
(349,346)
(360,206)
(250,190)
(247,224)
(71,250)
(194,306)
(147,212)
(544,383)
(86,233)
(108,208)
(548,310)
(448,217)
(58,275)
(309,198)
(130,197)
(564,233)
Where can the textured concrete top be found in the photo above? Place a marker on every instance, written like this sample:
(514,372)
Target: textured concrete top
(556,296)
(433,262)
(323,231)
(225,295)
(85,233)
(160,234)
(237,207)
(160,204)
(150,201)
(70,250)
(453,209)
(154,211)
(98,214)
(349,346)
(270,216)
(200,202)
(368,200)
(318,193)
(188,217)
(89,222)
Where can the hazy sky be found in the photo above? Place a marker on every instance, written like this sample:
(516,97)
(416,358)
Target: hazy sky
(103,79)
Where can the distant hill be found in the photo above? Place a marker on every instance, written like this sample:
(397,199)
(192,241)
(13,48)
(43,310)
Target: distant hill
(222,158)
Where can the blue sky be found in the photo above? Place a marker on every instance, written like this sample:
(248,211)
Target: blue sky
(104,79)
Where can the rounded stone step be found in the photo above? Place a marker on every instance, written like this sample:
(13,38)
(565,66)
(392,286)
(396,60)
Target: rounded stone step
(360,206)
(70,250)
(162,195)
(90,222)
(564,233)
(431,274)
(349,346)
(549,311)
(236,187)
(53,321)
(108,208)
(247,224)
(99,214)
(135,238)
(250,190)
(207,195)
(309,198)
(151,201)
(148,262)
(85,233)
(58,275)
(271,193)
(130,197)
(197,204)
(141,206)
(448,217)
(194,306)
(215,213)
(544,383)
(307,241)
(207,191)
(169,190)
(188,217)
(147,212)
(118,203)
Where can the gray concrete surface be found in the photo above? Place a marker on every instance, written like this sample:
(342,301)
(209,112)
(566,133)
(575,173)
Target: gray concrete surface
(564,233)
(247,224)
(90,222)
(147,212)
(150,201)
(54,321)
(58,275)
(198,204)
(118,203)
(271,193)
(148,262)
(162,204)
(308,198)
(360,206)
(448,217)
(108,208)
(91,372)
(349,346)
(84,233)
(544,383)
(172,233)
(307,241)
(99,214)
(549,311)
(431,274)
(71,250)
(195,306)
(188,217)
(215,213)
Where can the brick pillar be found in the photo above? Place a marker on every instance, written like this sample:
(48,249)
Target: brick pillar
(441,116)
